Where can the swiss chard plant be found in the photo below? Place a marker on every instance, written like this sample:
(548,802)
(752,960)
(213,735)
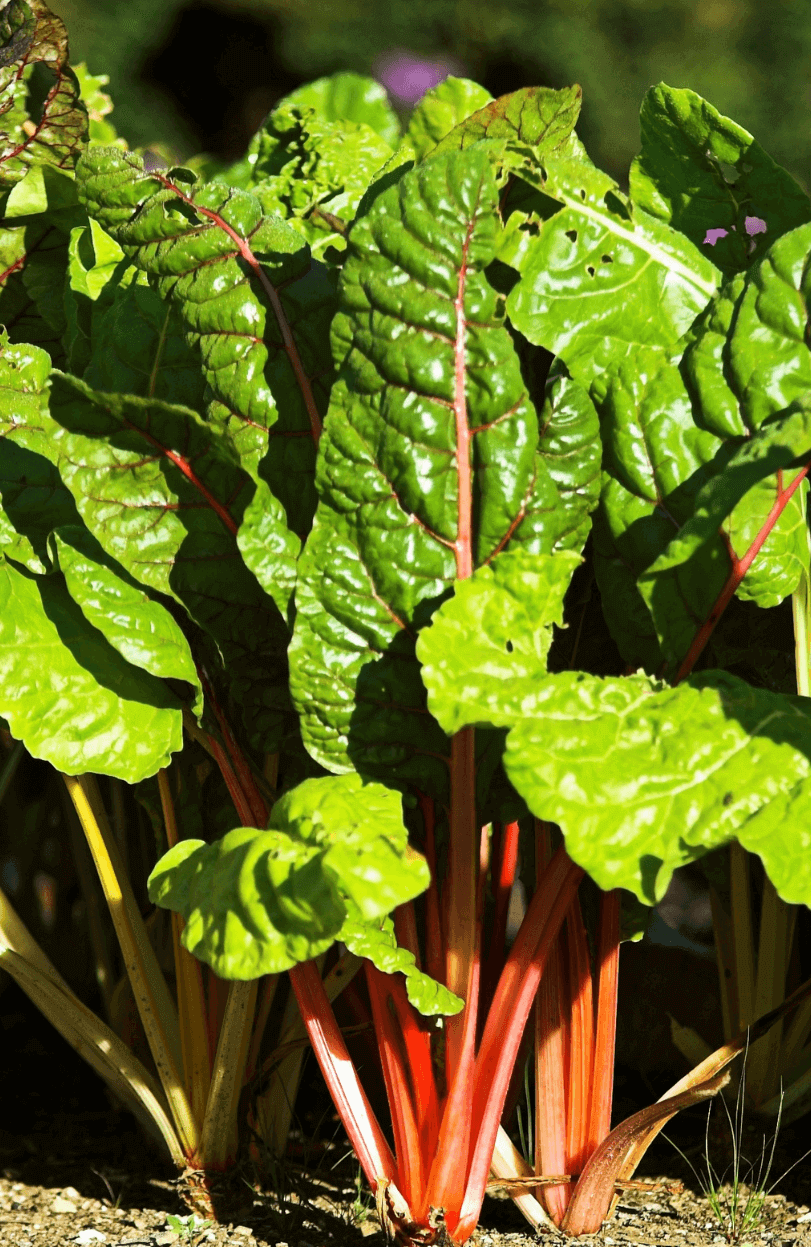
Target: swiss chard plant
(303,463)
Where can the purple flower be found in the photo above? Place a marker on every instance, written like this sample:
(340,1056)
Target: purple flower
(712,236)
(408,77)
(754,225)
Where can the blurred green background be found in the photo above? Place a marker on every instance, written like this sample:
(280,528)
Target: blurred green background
(201,74)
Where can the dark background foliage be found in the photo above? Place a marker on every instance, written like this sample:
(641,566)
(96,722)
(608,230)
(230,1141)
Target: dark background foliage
(202,73)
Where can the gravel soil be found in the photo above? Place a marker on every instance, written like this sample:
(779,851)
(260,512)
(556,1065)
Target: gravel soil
(74,1170)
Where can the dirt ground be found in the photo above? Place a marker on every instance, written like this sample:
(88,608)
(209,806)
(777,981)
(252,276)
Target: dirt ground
(73,1170)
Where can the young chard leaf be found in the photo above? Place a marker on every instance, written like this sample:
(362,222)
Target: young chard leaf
(430,394)
(377,942)
(699,171)
(537,118)
(258,902)
(312,171)
(493,635)
(441,109)
(349,97)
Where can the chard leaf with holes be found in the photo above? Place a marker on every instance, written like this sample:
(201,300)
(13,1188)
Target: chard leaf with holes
(642,281)
(492,636)
(701,172)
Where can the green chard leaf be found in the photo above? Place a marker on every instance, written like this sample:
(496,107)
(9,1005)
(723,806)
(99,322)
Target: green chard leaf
(377,942)
(732,407)
(699,171)
(430,394)
(570,446)
(41,209)
(539,119)
(99,106)
(257,902)
(441,109)
(312,171)
(43,118)
(643,778)
(682,585)
(164,495)
(250,297)
(349,97)
(69,695)
(597,274)
(492,637)
(139,627)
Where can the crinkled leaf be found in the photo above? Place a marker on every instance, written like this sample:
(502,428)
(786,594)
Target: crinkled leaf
(250,298)
(425,358)
(257,902)
(571,448)
(493,636)
(139,346)
(349,97)
(313,172)
(139,627)
(33,255)
(681,586)
(42,116)
(698,170)
(69,695)
(599,275)
(164,495)
(659,452)
(442,109)
(643,778)
(378,943)
(536,117)
(269,548)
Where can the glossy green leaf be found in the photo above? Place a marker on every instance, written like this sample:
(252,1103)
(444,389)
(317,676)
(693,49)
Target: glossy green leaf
(33,502)
(378,943)
(257,902)
(313,172)
(571,448)
(492,637)
(138,626)
(33,256)
(349,97)
(681,586)
(164,495)
(442,109)
(643,778)
(250,298)
(425,360)
(69,695)
(599,275)
(699,171)
(32,40)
